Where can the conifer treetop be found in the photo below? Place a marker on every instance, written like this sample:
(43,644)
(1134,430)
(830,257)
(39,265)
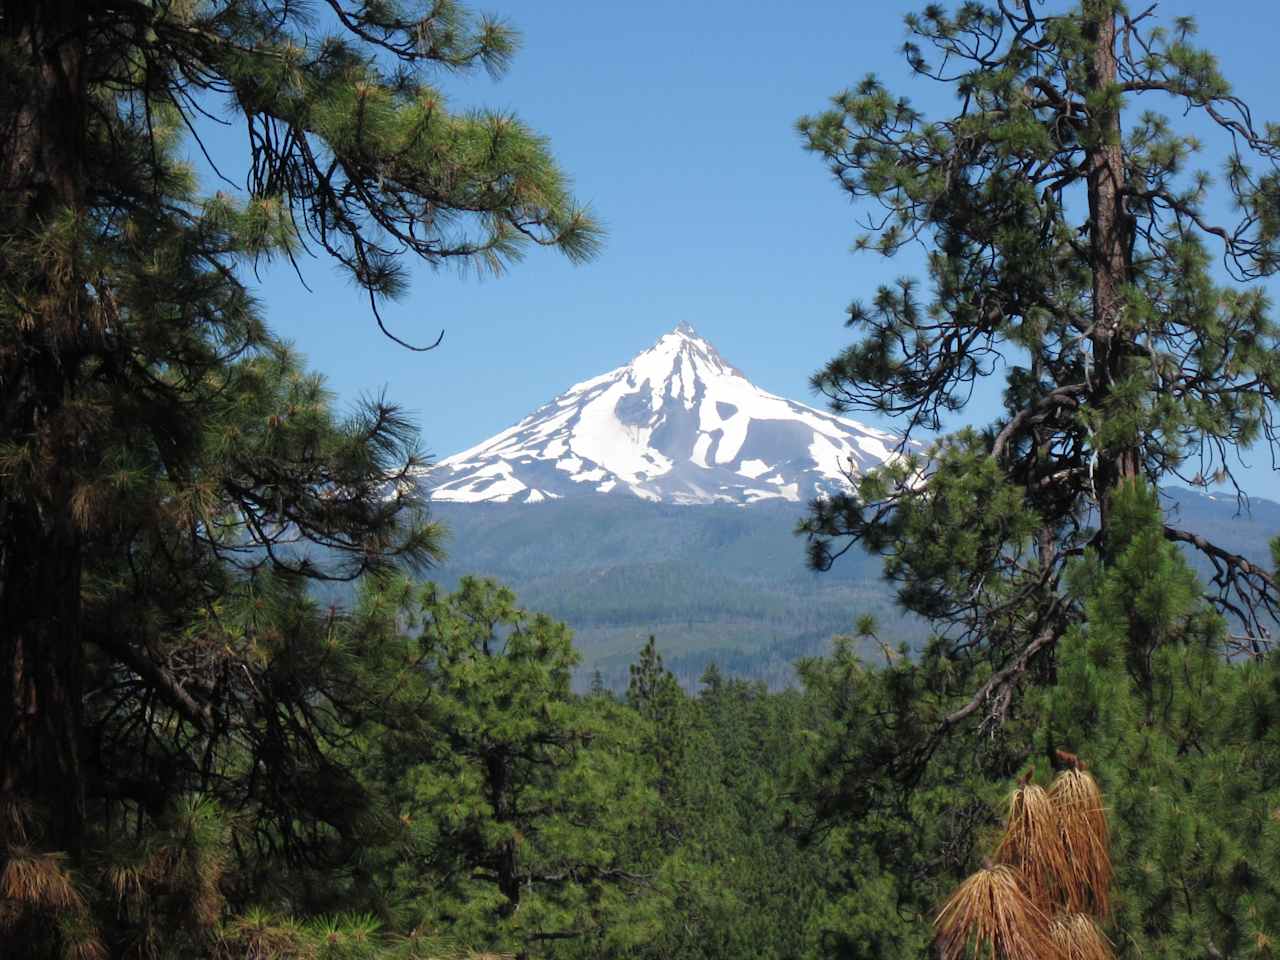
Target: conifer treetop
(1071,246)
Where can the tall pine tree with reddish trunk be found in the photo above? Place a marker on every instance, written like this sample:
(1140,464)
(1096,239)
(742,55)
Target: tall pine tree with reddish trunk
(156,443)
(1071,244)
(43,177)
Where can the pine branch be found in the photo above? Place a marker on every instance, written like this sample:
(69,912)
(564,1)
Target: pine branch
(1255,591)
(155,676)
(1064,396)
(997,691)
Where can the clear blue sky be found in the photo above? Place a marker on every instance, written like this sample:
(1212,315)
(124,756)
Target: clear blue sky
(675,120)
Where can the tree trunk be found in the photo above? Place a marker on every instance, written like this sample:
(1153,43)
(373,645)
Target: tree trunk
(40,699)
(498,763)
(1109,236)
(42,181)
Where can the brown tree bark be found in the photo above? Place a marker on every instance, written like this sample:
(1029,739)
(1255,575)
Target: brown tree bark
(42,180)
(1109,237)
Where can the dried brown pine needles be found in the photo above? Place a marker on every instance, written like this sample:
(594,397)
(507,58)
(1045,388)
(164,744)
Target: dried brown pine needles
(1050,886)
(992,912)
(38,887)
(1083,823)
(39,881)
(1077,937)
(1032,844)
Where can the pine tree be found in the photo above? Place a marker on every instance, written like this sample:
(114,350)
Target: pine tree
(170,477)
(1183,741)
(518,799)
(667,718)
(896,818)
(731,880)
(652,689)
(1068,241)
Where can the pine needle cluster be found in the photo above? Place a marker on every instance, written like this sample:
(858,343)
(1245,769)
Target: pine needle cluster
(39,893)
(1048,888)
(261,935)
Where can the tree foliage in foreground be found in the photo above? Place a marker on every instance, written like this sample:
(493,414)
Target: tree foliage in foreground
(521,804)
(1070,242)
(1181,740)
(169,475)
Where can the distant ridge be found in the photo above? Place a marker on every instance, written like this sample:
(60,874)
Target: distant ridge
(677,424)
(724,584)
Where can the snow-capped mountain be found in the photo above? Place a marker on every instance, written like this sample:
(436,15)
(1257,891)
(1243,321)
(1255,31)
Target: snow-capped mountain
(677,424)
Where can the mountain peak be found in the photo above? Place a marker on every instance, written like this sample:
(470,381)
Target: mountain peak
(663,359)
(676,424)
(682,336)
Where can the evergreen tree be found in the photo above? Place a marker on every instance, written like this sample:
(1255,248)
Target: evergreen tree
(712,681)
(169,476)
(598,687)
(651,689)
(1068,241)
(732,880)
(894,816)
(1183,742)
(668,728)
(1180,739)
(519,800)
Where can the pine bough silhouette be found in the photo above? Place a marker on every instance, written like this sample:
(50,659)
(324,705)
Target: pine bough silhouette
(1047,888)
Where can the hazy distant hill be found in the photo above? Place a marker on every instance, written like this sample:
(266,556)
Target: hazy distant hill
(716,581)
(1245,529)
(708,581)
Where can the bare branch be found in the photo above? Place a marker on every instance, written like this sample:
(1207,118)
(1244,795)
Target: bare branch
(1245,590)
(155,676)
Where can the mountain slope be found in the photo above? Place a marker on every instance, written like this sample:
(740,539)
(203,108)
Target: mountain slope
(617,507)
(677,424)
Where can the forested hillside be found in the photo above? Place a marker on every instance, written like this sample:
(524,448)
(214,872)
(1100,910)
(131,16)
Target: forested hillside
(722,584)
(727,584)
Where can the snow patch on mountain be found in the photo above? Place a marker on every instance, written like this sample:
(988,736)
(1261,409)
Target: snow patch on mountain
(677,424)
